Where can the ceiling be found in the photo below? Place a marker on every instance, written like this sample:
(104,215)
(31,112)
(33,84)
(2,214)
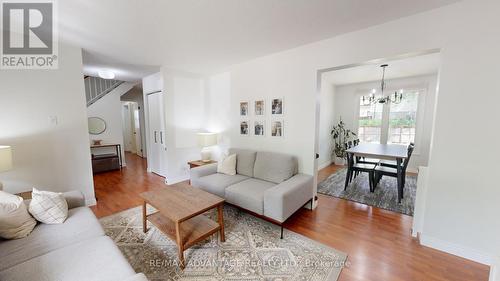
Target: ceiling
(205,36)
(408,67)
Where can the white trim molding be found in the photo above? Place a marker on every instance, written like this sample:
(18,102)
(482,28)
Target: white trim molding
(176,180)
(457,250)
(495,270)
(324,165)
(90,202)
(418,216)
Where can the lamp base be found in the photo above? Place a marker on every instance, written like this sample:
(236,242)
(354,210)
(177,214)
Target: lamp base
(206,154)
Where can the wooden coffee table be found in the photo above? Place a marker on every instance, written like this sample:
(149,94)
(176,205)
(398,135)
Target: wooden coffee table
(179,214)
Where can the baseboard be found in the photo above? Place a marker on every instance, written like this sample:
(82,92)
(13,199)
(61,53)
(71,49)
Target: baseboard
(91,201)
(175,180)
(412,170)
(457,250)
(324,165)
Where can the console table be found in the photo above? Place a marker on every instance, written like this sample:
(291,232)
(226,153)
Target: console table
(106,161)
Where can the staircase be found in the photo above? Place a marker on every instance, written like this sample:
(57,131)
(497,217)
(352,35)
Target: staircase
(96,88)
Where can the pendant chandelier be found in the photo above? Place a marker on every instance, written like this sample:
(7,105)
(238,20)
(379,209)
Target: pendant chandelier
(394,98)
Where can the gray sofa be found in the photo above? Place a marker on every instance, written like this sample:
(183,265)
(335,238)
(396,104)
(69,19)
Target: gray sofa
(77,249)
(266,184)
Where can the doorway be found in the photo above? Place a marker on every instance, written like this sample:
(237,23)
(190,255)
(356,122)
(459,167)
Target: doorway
(133,122)
(132,133)
(353,94)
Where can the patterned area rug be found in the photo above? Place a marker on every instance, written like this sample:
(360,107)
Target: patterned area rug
(385,195)
(253,251)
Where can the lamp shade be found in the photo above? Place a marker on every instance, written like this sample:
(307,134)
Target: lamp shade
(5,158)
(207,139)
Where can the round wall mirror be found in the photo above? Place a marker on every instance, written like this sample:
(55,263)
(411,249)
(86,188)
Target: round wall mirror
(97,126)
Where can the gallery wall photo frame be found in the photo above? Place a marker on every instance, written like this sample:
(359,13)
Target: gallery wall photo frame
(277,129)
(244,108)
(277,106)
(259,128)
(245,128)
(259,107)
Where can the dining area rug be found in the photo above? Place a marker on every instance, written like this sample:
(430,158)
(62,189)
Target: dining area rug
(385,195)
(253,251)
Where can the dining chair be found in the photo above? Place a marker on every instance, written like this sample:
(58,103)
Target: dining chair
(392,163)
(381,171)
(355,168)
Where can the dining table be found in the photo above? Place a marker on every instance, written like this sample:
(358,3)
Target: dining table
(394,152)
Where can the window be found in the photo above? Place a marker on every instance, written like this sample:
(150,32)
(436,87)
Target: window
(370,122)
(403,120)
(389,123)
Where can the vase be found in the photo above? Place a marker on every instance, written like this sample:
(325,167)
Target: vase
(339,161)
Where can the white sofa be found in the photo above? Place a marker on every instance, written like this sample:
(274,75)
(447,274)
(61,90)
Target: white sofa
(76,250)
(266,184)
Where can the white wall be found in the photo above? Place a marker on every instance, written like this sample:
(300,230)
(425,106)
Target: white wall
(217,108)
(326,122)
(462,197)
(347,107)
(184,116)
(47,155)
(109,108)
(276,76)
(184,108)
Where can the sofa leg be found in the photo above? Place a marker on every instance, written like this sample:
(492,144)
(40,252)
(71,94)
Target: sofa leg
(281,232)
(312,200)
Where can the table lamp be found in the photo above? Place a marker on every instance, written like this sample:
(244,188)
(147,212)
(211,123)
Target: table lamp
(5,160)
(205,140)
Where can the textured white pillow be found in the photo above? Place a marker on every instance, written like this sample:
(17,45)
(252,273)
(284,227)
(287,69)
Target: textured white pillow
(15,221)
(227,165)
(48,207)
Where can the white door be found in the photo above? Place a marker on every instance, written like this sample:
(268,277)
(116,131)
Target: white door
(156,133)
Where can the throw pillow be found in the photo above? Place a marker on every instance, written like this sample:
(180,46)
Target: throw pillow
(15,221)
(227,165)
(48,207)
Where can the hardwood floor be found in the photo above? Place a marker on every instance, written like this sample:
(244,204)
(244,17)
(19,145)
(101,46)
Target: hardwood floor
(119,190)
(377,241)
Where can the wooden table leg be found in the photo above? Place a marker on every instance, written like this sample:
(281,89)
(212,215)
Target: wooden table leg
(180,245)
(144,217)
(400,179)
(220,217)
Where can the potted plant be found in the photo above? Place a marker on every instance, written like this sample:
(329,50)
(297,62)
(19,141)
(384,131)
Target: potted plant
(340,136)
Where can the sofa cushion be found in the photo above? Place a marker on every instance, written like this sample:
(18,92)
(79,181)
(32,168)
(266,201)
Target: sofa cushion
(48,207)
(81,224)
(249,194)
(15,221)
(274,167)
(245,161)
(227,165)
(217,183)
(95,259)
